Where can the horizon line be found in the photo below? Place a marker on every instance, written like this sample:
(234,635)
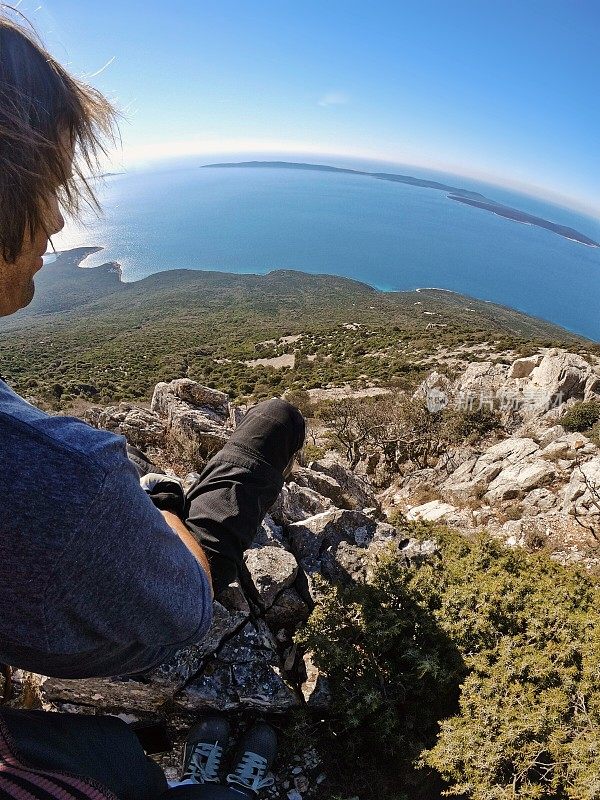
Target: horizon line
(149,155)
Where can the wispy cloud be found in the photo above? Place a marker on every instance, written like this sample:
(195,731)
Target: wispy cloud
(334,99)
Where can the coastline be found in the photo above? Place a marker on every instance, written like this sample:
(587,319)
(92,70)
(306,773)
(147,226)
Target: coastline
(75,257)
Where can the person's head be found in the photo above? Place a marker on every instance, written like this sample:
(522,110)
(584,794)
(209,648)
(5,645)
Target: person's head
(52,129)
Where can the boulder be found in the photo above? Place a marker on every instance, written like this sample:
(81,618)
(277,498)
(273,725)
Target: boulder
(519,478)
(193,395)
(195,416)
(288,609)
(140,427)
(246,674)
(558,377)
(538,500)
(417,552)
(522,367)
(195,433)
(272,570)
(357,490)
(269,534)
(296,503)
(108,694)
(551,435)
(310,537)
(187,661)
(431,512)
(148,692)
(476,475)
(581,496)
(323,484)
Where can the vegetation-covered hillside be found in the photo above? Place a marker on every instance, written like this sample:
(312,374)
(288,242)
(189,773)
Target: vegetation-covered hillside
(88,336)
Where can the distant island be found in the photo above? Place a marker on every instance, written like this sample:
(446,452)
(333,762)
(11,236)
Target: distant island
(452,192)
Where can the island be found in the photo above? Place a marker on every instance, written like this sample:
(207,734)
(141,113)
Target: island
(452,192)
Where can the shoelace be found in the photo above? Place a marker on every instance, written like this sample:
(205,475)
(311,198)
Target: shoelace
(249,772)
(204,764)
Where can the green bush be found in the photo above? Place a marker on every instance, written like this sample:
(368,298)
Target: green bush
(581,416)
(500,646)
(470,425)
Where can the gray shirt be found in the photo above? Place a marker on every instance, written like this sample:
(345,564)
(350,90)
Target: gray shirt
(93,581)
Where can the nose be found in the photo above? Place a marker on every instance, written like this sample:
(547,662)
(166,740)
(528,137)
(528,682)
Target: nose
(59,223)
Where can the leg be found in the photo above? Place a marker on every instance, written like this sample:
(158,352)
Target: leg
(139,461)
(239,485)
(100,748)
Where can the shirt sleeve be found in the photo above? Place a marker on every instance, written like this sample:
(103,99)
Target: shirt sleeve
(124,576)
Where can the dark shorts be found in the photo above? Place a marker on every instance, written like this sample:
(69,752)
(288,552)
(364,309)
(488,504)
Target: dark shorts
(102,749)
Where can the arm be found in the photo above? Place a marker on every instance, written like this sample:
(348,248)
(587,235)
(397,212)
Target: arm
(192,545)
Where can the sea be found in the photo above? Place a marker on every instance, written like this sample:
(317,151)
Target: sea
(390,235)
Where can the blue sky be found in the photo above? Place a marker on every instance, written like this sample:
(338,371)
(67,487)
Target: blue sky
(505,91)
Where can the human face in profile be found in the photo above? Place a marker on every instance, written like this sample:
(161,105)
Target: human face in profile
(17,286)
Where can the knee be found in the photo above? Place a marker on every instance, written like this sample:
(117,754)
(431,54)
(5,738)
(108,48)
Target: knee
(284,413)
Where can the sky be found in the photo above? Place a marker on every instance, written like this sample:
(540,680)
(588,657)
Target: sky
(501,91)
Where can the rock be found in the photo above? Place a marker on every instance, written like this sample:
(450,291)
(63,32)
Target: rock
(192,394)
(288,609)
(310,537)
(296,503)
(301,783)
(187,661)
(356,489)
(213,689)
(245,675)
(558,377)
(522,367)
(272,570)
(234,599)
(581,496)
(344,563)
(431,512)
(551,435)
(475,476)
(538,500)
(195,416)
(196,434)
(323,484)
(569,446)
(480,381)
(151,691)
(519,478)
(269,534)
(252,642)
(236,415)
(315,688)
(353,561)
(420,552)
(108,694)
(141,427)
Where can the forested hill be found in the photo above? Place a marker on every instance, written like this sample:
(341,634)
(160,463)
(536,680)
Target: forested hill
(88,334)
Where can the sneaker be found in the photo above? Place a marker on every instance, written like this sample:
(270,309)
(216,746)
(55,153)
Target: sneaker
(254,757)
(203,750)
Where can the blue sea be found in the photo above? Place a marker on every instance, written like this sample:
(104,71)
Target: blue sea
(389,235)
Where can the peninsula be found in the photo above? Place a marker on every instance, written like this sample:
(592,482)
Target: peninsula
(452,192)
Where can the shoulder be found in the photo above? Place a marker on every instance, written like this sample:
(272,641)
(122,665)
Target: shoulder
(31,437)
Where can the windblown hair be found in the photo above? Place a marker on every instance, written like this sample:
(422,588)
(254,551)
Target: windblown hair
(43,110)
